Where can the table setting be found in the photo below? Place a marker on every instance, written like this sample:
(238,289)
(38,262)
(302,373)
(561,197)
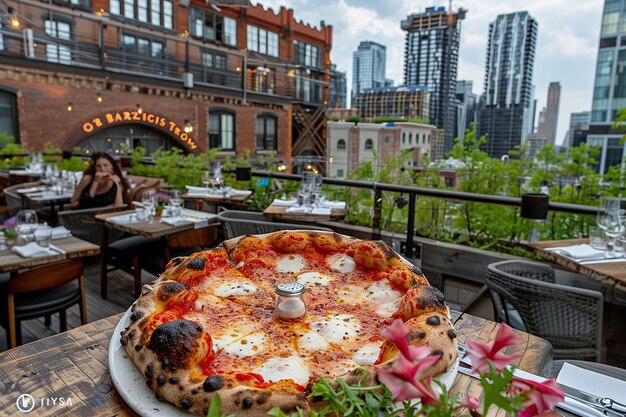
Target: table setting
(34,239)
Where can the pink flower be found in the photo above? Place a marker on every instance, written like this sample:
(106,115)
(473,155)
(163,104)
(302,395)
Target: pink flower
(396,333)
(541,396)
(471,404)
(482,353)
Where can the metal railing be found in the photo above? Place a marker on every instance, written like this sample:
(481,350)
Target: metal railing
(414,192)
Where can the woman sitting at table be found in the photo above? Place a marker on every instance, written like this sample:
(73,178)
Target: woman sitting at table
(102,184)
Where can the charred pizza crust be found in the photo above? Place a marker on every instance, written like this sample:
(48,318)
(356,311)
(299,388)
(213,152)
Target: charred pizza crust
(173,349)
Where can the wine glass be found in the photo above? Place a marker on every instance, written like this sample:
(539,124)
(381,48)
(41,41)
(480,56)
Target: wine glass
(148,200)
(207,180)
(609,220)
(27,223)
(175,202)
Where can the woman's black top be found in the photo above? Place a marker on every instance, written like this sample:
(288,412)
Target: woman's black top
(98,200)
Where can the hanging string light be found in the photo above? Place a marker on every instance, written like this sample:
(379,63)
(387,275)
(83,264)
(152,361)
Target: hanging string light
(139,109)
(69,106)
(188,127)
(99,98)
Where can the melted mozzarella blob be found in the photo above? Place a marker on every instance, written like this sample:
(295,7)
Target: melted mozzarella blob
(310,279)
(228,289)
(340,262)
(337,327)
(382,292)
(368,354)
(290,263)
(311,340)
(291,367)
(249,345)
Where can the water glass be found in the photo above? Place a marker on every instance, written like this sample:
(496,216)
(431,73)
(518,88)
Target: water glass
(597,239)
(43,235)
(27,223)
(175,203)
(141,214)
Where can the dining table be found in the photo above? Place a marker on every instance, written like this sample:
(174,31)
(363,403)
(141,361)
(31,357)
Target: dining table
(200,197)
(162,228)
(72,246)
(74,367)
(288,210)
(611,272)
(47,196)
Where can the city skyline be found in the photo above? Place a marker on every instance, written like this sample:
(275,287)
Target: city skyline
(567,44)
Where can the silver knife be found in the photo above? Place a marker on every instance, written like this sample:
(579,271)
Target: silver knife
(603,403)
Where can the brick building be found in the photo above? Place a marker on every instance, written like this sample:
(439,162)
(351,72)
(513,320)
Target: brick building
(97,74)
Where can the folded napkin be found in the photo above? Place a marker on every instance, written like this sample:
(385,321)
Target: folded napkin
(30,190)
(33,250)
(60,232)
(176,220)
(284,203)
(203,194)
(121,219)
(578,251)
(335,204)
(321,211)
(593,383)
(194,188)
(240,192)
(298,209)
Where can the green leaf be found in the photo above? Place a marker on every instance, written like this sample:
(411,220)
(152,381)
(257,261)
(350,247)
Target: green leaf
(215,407)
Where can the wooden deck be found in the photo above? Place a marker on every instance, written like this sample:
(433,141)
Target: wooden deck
(120,299)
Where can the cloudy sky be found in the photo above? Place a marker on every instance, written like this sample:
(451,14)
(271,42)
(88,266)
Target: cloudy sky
(566,44)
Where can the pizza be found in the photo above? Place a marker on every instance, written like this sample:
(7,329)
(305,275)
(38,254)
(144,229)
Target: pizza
(210,324)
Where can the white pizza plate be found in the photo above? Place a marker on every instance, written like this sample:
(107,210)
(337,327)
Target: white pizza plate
(131,385)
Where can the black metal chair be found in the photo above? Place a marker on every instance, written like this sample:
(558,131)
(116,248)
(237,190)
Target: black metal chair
(239,223)
(570,318)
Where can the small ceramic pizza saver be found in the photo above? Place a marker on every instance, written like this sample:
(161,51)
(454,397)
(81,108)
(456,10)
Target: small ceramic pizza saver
(290,301)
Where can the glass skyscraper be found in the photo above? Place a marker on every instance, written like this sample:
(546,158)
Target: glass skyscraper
(431,56)
(507,116)
(368,67)
(609,93)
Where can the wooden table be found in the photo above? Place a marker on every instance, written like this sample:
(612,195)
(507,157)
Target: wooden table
(151,230)
(610,273)
(74,365)
(49,197)
(73,246)
(280,213)
(228,202)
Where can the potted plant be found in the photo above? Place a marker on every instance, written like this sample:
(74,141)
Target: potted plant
(161,200)
(10,235)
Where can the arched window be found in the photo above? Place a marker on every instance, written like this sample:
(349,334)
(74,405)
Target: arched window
(369,144)
(8,114)
(266,132)
(341,145)
(222,129)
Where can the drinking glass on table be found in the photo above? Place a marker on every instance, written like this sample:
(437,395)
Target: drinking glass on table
(207,180)
(148,200)
(609,220)
(175,202)
(27,223)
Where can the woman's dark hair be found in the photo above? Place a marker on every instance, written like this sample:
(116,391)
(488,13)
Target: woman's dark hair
(91,170)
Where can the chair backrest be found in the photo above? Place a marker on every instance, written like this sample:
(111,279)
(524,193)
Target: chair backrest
(243,215)
(12,197)
(570,318)
(83,224)
(141,188)
(234,227)
(202,237)
(45,277)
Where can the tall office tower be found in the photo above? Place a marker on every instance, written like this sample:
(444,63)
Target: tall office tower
(609,93)
(578,129)
(368,67)
(467,107)
(337,90)
(552,112)
(507,116)
(431,56)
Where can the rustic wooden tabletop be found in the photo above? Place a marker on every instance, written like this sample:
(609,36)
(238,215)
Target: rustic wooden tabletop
(73,247)
(281,213)
(73,366)
(610,273)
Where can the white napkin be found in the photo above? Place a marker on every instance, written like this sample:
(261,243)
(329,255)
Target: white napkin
(175,221)
(60,232)
(202,194)
(284,203)
(124,218)
(33,250)
(578,251)
(592,382)
(298,209)
(240,192)
(29,190)
(323,211)
(193,188)
(335,204)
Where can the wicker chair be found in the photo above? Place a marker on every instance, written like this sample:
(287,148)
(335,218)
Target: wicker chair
(238,223)
(14,200)
(83,225)
(569,318)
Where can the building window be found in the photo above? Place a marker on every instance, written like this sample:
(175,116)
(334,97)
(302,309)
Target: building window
(208,25)
(307,54)
(369,144)
(55,51)
(214,67)
(8,114)
(340,172)
(155,12)
(410,138)
(142,46)
(262,41)
(82,3)
(222,130)
(263,79)
(266,132)
(341,145)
